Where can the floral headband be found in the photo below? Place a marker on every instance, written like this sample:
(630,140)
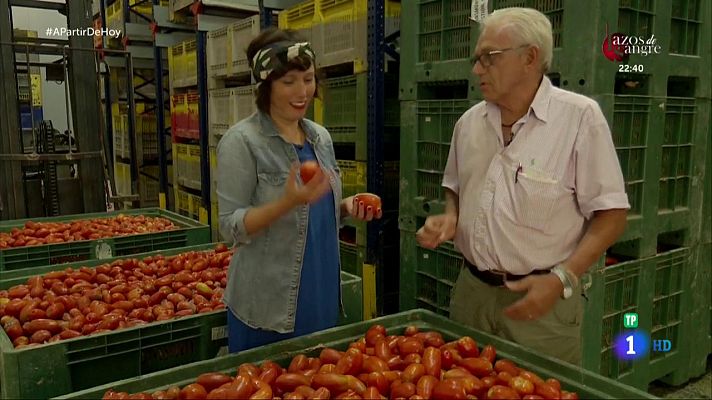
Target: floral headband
(277,54)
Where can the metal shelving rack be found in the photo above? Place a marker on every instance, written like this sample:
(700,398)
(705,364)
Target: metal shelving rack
(208,16)
(137,40)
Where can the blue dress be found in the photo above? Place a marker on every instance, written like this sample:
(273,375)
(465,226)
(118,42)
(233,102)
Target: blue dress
(319,286)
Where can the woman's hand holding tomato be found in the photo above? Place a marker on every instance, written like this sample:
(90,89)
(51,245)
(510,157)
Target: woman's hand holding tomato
(315,184)
(364,206)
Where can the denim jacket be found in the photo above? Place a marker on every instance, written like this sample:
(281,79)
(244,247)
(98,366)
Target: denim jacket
(253,167)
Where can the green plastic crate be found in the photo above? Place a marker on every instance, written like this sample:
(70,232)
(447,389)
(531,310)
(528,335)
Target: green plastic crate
(351,298)
(587,384)
(345,113)
(438,38)
(189,233)
(354,175)
(352,258)
(657,288)
(346,101)
(385,293)
(354,232)
(427,276)
(700,339)
(80,363)
(427,127)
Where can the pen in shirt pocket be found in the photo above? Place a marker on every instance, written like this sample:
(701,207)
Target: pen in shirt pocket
(519,170)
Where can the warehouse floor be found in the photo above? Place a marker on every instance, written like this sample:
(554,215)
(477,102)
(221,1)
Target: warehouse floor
(700,388)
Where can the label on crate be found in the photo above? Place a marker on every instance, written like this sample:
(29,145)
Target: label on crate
(478,10)
(219,332)
(102,251)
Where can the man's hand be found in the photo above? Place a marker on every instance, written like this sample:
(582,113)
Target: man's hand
(542,293)
(437,229)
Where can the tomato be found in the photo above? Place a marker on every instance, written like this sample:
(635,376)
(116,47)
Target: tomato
(403,390)
(503,378)
(12,327)
(410,345)
(350,363)
(502,392)
(349,394)
(359,345)
(327,369)
(42,324)
(305,391)
(489,381)
(554,383)
(413,373)
(242,387)
(449,389)
(432,361)
(521,385)
(298,363)
(425,386)
(213,380)
(335,383)
(193,391)
(368,200)
(320,394)
(504,365)
(467,347)
(569,395)
(479,367)
(307,170)
(532,397)
(546,391)
(264,391)
(447,359)
(377,380)
(489,353)
(374,364)
(456,373)
(396,363)
(270,373)
(530,376)
(288,382)
(382,351)
(411,330)
(372,393)
(413,358)
(373,336)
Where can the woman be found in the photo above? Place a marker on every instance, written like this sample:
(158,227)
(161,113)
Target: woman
(284,279)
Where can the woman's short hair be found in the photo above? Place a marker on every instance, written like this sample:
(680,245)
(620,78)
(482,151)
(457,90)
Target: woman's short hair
(301,63)
(526,26)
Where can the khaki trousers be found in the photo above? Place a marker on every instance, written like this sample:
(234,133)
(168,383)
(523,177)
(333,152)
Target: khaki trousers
(481,306)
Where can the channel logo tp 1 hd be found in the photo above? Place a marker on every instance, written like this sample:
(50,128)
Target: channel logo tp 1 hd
(633,343)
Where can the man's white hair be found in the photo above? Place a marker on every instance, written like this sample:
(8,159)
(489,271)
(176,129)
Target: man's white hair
(526,26)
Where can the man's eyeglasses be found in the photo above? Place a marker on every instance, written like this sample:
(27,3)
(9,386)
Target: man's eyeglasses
(487,58)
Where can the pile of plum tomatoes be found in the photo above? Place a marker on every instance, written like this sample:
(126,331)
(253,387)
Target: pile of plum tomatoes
(416,366)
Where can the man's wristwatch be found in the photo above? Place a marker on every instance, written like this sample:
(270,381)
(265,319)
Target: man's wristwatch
(567,278)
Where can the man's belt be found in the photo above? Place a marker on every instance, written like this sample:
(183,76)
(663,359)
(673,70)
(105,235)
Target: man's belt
(497,278)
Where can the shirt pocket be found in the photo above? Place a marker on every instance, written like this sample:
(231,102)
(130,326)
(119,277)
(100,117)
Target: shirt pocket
(534,199)
(270,186)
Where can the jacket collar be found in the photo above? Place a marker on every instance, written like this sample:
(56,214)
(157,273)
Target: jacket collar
(270,129)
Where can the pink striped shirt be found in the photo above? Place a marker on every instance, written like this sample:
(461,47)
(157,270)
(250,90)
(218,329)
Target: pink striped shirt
(525,206)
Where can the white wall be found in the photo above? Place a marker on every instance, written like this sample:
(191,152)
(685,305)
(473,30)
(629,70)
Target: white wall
(53,100)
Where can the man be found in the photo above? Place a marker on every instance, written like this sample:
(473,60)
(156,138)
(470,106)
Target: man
(534,193)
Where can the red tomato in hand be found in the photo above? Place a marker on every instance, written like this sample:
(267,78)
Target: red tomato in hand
(308,170)
(368,200)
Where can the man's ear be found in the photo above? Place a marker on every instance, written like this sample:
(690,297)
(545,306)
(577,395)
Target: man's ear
(533,55)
